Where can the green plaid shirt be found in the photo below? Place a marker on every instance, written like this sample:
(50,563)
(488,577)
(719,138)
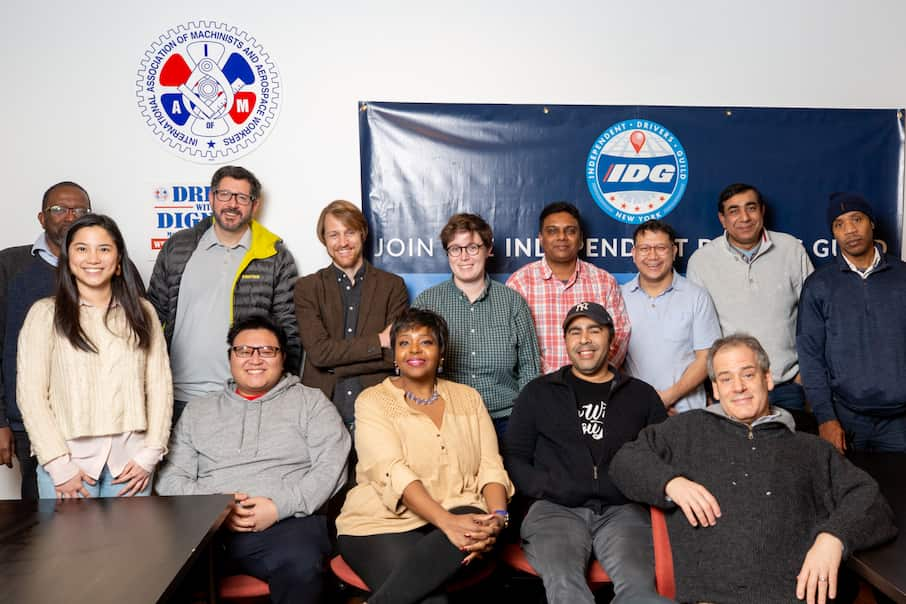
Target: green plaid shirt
(492,347)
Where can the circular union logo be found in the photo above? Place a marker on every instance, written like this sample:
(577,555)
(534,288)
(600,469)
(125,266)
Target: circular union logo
(637,170)
(208,91)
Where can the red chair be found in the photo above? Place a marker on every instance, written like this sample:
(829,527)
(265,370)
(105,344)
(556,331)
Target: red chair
(514,557)
(243,588)
(348,576)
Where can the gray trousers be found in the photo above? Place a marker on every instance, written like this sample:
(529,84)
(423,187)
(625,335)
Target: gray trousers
(559,541)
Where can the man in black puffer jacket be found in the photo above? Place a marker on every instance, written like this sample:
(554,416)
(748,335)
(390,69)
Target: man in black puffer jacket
(210,275)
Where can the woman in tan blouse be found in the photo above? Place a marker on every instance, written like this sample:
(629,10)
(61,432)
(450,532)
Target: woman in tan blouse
(93,378)
(431,491)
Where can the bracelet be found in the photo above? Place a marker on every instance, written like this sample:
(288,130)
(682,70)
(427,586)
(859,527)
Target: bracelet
(505,515)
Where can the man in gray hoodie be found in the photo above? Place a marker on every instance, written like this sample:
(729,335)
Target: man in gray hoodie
(279,447)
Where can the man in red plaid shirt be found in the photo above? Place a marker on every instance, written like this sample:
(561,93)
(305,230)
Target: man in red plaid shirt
(559,281)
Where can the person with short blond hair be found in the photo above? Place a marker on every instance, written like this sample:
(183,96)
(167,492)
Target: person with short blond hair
(345,311)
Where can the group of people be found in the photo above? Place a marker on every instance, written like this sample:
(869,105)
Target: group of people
(556,385)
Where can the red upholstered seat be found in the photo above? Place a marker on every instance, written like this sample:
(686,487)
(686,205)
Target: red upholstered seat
(348,576)
(241,587)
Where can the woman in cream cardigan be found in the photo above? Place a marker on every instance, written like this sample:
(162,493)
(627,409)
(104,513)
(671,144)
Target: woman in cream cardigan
(93,377)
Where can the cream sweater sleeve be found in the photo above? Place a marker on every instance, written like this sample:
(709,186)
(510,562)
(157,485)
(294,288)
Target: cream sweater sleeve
(158,386)
(33,374)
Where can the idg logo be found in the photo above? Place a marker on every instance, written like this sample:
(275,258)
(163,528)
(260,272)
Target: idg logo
(637,170)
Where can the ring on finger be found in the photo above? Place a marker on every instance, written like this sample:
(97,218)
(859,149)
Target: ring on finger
(822,579)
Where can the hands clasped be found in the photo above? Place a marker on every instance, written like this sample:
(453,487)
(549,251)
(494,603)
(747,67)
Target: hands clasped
(474,534)
(251,514)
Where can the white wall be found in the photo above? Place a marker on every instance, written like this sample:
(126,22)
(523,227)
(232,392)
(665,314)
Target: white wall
(68,106)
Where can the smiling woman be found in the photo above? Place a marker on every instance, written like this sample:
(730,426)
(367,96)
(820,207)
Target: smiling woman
(93,377)
(431,492)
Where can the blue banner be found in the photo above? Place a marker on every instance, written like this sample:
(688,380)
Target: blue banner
(620,165)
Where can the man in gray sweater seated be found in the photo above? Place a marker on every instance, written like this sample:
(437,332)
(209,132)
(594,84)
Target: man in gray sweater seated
(760,513)
(279,447)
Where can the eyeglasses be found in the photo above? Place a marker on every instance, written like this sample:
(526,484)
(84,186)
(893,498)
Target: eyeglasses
(660,249)
(61,210)
(471,249)
(265,352)
(241,198)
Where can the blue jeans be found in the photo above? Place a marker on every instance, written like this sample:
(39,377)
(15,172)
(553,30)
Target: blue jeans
(870,433)
(789,395)
(559,541)
(103,488)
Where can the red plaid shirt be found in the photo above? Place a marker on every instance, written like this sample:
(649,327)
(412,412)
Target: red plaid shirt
(549,300)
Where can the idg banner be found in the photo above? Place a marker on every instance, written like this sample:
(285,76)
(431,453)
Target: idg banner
(620,166)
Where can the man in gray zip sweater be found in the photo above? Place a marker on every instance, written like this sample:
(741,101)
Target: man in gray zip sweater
(757,513)
(279,447)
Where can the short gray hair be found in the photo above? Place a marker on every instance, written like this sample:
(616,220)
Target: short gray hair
(738,339)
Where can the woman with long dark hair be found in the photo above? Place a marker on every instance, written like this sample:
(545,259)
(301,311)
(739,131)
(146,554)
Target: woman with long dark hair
(93,377)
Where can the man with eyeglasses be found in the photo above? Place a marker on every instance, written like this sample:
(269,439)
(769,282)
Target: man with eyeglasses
(673,321)
(27,274)
(279,447)
(345,312)
(560,280)
(212,274)
(755,277)
(492,346)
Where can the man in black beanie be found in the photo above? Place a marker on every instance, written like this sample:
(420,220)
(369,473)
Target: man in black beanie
(851,336)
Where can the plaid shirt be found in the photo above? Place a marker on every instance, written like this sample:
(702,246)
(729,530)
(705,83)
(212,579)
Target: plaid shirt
(550,300)
(492,345)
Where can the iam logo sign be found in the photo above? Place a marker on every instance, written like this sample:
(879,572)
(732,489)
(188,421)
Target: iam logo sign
(637,170)
(208,91)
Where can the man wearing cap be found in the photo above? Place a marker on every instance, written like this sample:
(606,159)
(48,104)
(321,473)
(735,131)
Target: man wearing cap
(754,277)
(852,336)
(561,462)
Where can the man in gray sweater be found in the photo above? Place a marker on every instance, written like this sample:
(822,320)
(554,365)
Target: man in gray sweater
(757,513)
(754,277)
(279,447)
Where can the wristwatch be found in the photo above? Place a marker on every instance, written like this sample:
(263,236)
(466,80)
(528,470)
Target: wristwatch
(505,515)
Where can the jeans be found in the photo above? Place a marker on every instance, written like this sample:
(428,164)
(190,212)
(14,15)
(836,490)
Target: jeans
(27,465)
(871,433)
(289,556)
(103,488)
(559,541)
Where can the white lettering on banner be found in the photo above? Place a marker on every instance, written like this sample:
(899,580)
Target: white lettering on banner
(396,247)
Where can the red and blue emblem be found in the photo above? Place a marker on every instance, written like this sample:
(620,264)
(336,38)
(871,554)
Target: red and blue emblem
(209,91)
(637,170)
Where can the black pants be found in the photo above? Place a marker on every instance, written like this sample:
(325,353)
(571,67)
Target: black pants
(289,556)
(405,568)
(28,463)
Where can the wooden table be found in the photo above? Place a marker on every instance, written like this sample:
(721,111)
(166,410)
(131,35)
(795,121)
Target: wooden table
(103,550)
(885,566)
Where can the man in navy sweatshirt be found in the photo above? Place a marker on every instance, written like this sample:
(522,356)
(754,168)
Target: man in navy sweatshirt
(565,428)
(27,274)
(851,336)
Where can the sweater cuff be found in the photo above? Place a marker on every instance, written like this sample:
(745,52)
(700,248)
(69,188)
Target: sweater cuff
(148,458)
(61,469)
